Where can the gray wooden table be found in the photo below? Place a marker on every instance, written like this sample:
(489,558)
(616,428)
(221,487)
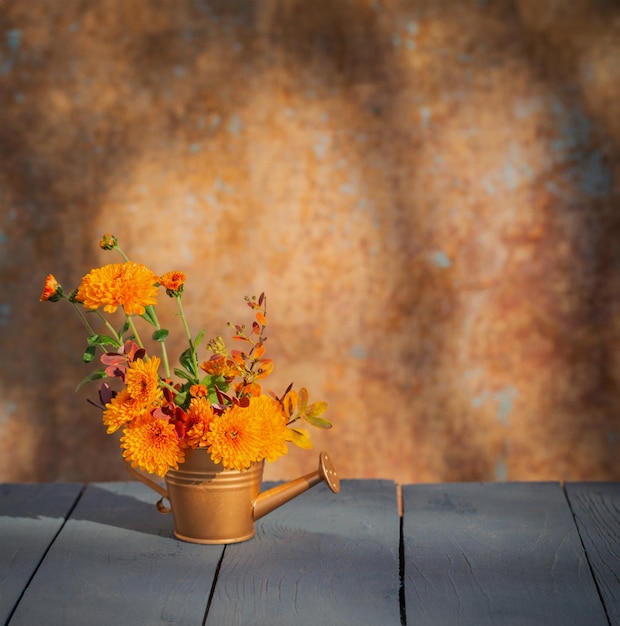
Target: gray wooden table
(469,553)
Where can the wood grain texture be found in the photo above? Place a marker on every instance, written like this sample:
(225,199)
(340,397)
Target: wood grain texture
(30,517)
(116,562)
(495,554)
(320,559)
(596,507)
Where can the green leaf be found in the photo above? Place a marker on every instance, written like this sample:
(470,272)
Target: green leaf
(317,422)
(187,361)
(316,409)
(183,374)
(89,354)
(199,337)
(103,340)
(96,375)
(149,315)
(160,335)
(220,383)
(180,398)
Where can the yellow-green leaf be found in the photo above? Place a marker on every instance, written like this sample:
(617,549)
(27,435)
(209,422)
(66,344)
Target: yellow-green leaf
(316,409)
(303,399)
(318,422)
(300,437)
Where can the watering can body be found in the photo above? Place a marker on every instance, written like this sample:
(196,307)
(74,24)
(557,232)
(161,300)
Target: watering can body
(213,505)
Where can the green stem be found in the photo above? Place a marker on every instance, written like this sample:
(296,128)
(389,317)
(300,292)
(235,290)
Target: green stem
(185,326)
(120,251)
(164,351)
(188,334)
(109,327)
(90,329)
(79,311)
(135,331)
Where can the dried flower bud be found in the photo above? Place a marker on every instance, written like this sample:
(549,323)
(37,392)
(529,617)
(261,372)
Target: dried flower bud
(108,242)
(52,291)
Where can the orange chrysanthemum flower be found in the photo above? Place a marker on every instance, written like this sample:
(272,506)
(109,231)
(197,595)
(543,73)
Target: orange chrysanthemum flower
(122,410)
(173,282)
(152,446)
(234,439)
(243,435)
(130,285)
(272,421)
(199,417)
(52,291)
(142,380)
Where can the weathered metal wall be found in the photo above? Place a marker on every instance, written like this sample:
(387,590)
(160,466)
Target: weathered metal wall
(426,190)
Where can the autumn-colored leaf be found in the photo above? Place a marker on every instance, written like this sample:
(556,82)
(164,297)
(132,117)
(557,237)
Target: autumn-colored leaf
(290,403)
(316,409)
(303,399)
(265,368)
(260,318)
(300,437)
(318,422)
(238,356)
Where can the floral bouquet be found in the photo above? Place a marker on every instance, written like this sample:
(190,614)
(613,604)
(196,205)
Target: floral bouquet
(216,403)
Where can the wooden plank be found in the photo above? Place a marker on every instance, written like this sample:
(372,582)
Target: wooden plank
(495,553)
(30,517)
(319,559)
(116,562)
(596,507)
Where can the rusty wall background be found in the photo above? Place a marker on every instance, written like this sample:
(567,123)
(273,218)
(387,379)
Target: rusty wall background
(426,190)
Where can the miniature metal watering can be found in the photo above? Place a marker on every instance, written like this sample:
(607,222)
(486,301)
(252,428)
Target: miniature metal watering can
(214,505)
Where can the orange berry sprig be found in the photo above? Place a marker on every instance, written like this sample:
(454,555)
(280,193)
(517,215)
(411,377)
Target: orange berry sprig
(249,365)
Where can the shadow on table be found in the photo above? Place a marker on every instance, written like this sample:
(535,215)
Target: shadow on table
(128,505)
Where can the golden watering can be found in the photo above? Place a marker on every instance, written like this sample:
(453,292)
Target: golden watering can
(210,504)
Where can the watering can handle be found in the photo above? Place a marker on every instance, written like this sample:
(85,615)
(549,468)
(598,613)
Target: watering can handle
(161,507)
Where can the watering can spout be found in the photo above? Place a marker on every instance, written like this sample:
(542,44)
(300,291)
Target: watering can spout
(276,496)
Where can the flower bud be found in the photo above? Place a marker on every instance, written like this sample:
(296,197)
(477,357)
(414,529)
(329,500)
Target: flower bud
(108,242)
(52,291)
(173,283)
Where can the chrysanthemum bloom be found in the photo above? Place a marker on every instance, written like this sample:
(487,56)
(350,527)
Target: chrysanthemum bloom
(153,446)
(199,417)
(173,282)
(142,381)
(130,285)
(234,439)
(52,291)
(121,410)
(271,420)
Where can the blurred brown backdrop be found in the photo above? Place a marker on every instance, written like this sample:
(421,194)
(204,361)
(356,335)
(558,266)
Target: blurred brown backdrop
(426,190)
